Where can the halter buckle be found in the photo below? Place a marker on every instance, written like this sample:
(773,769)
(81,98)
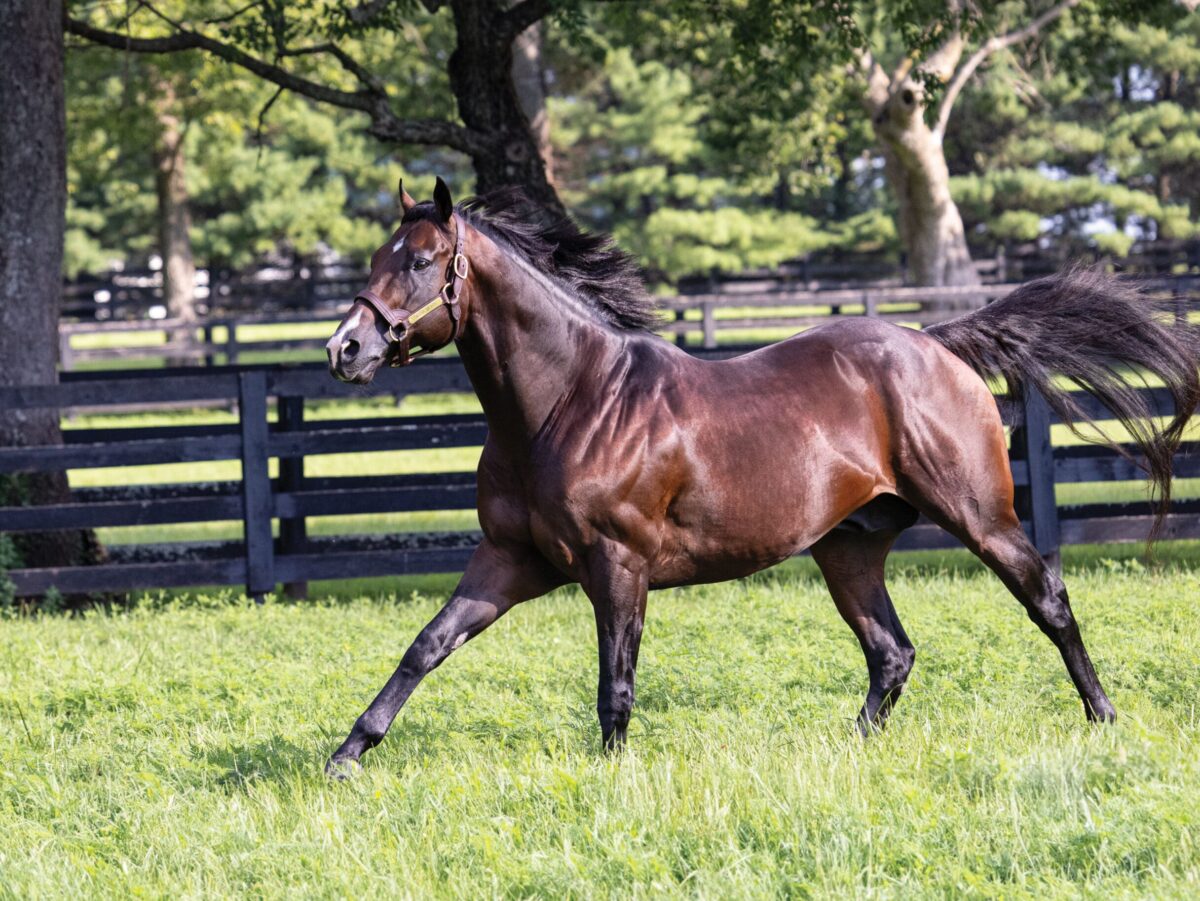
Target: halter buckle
(461,266)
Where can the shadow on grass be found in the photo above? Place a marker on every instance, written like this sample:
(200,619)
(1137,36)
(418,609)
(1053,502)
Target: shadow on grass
(273,760)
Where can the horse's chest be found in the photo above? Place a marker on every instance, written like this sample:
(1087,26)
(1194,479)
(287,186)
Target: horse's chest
(579,500)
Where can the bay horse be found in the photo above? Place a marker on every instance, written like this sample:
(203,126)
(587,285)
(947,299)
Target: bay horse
(617,461)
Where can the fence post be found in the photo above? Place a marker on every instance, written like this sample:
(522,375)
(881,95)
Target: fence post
(293,534)
(1031,442)
(256,484)
(680,336)
(231,353)
(210,358)
(66,357)
(709,323)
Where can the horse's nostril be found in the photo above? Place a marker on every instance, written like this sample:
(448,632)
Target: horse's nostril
(349,349)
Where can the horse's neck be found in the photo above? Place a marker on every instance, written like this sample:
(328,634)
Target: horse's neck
(526,343)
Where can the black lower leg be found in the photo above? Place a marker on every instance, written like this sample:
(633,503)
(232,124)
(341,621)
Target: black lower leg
(618,595)
(458,621)
(1051,612)
(496,579)
(1044,596)
(852,563)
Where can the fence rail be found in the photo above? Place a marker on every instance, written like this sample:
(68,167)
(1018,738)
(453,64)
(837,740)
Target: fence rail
(695,319)
(262,560)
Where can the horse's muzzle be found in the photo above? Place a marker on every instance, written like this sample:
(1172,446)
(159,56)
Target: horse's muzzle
(349,362)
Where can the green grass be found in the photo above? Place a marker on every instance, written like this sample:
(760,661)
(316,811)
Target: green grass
(175,750)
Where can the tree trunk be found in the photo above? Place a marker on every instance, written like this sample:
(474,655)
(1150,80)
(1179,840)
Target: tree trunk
(931,229)
(529,81)
(174,223)
(32,205)
(480,71)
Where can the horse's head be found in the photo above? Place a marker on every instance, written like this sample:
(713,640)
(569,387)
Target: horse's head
(412,296)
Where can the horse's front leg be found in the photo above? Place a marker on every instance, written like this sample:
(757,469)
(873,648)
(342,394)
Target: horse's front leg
(496,579)
(617,589)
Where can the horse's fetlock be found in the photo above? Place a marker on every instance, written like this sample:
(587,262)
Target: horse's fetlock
(369,732)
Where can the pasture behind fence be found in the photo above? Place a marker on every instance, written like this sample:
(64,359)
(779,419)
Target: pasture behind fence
(261,561)
(734,310)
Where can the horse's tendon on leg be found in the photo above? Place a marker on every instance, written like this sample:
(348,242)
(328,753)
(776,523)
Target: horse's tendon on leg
(1039,589)
(852,564)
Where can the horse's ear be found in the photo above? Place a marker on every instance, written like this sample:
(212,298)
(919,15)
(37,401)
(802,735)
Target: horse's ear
(442,201)
(406,201)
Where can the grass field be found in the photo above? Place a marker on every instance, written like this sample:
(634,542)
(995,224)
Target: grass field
(175,750)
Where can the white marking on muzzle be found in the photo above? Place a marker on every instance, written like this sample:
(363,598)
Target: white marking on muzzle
(350,323)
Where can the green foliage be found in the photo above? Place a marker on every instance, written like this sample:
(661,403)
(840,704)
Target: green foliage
(10,558)
(265,173)
(638,158)
(175,750)
(1102,128)
(702,136)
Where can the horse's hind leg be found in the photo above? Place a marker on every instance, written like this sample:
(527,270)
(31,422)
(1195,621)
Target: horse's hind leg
(977,508)
(1011,555)
(852,564)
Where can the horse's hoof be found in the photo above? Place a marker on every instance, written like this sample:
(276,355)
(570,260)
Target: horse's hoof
(341,769)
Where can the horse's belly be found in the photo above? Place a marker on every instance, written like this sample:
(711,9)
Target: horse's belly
(710,536)
(688,569)
(730,544)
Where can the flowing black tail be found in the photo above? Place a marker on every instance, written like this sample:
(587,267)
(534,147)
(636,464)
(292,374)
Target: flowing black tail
(1104,336)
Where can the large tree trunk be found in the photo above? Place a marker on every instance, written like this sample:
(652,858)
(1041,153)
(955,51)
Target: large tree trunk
(32,205)
(174,222)
(481,77)
(529,80)
(931,229)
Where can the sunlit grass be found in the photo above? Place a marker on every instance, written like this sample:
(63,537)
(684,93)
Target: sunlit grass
(176,750)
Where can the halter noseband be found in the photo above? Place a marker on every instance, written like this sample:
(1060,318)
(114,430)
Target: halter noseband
(401,322)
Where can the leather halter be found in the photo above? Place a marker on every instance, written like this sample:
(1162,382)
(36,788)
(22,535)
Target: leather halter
(401,322)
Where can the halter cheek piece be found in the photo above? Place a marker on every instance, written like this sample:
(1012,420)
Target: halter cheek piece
(401,322)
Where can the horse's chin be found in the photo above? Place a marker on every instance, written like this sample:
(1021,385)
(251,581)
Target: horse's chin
(361,377)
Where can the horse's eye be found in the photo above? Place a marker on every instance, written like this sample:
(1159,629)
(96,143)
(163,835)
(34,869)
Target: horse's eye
(419,264)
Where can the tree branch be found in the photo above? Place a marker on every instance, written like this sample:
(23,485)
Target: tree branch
(230,16)
(878,83)
(437,132)
(365,77)
(372,101)
(191,40)
(941,63)
(989,47)
(524,14)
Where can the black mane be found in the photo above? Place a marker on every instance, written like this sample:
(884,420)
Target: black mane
(588,265)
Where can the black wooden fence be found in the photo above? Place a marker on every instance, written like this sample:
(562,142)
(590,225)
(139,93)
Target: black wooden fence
(261,561)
